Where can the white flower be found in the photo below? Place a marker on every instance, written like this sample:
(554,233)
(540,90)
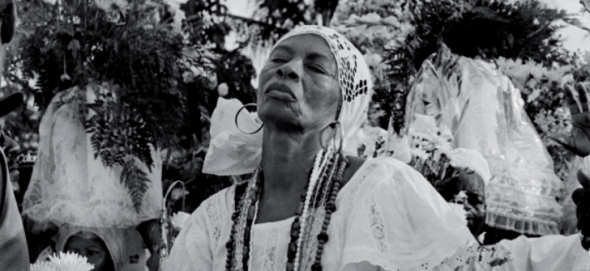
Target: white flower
(222,89)
(65,77)
(188,77)
(51,2)
(207,19)
(110,5)
(43,266)
(373,59)
(70,262)
(371,18)
(179,219)
(63,262)
(174,8)
(177,193)
(460,211)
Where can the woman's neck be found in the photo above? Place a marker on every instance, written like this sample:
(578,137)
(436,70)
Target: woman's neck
(287,159)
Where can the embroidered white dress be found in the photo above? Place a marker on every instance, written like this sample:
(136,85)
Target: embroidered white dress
(388,216)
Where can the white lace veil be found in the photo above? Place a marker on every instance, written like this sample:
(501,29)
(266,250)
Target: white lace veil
(69,185)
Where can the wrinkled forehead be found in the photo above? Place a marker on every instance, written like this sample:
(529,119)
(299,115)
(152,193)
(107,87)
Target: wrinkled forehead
(313,46)
(353,72)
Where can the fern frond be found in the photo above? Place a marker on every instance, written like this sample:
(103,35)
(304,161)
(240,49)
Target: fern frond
(136,181)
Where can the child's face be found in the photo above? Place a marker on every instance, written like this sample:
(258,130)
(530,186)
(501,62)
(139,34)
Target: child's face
(93,249)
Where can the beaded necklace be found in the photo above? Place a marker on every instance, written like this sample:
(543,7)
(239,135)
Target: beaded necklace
(322,189)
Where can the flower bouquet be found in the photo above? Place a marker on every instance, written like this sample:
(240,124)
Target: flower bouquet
(63,262)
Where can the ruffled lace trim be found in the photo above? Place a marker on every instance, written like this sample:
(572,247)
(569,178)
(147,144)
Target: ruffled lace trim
(377,224)
(522,206)
(503,219)
(356,186)
(539,183)
(212,214)
(270,251)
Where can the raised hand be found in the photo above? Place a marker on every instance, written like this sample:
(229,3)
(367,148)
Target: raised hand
(578,141)
(581,197)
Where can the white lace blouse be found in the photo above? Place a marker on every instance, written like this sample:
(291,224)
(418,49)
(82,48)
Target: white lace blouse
(388,217)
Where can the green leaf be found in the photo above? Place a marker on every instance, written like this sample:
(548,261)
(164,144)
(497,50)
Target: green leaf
(136,181)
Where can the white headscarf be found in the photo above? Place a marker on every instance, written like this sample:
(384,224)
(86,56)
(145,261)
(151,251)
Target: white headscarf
(471,159)
(113,238)
(232,152)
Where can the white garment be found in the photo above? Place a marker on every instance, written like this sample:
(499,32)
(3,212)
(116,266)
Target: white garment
(371,137)
(547,253)
(387,216)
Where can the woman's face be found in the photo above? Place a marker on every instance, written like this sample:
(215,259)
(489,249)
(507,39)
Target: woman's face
(298,87)
(474,204)
(94,250)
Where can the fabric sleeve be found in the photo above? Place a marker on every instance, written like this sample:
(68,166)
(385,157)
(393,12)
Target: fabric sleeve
(399,222)
(192,250)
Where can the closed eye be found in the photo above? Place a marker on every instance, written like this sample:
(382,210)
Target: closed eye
(91,252)
(316,69)
(278,60)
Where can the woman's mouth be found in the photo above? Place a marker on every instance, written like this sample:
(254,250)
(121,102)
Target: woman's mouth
(280,95)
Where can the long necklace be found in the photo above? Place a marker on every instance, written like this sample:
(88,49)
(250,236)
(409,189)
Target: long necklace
(322,189)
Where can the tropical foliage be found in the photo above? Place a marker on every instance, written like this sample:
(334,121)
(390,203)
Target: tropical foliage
(405,33)
(157,57)
(128,56)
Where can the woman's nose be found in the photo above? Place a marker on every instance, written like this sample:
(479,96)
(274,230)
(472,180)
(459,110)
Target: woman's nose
(290,70)
(468,207)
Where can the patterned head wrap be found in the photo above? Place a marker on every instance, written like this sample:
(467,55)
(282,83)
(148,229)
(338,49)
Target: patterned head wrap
(232,152)
(354,77)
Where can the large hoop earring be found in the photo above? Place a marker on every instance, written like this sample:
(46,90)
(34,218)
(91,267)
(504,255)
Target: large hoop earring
(236,120)
(338,132)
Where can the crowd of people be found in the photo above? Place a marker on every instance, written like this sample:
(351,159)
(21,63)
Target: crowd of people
(322,192)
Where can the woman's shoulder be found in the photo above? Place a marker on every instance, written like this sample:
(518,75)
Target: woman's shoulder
(388,177)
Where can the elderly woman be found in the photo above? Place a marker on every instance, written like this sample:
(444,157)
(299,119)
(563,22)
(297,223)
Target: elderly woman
(309,206)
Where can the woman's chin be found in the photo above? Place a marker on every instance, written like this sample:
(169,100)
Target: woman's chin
(274,112)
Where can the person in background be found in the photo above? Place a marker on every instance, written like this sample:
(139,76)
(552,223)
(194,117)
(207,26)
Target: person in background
(372,137)
(467,186)
(13,245)
(578,142)
(73,197)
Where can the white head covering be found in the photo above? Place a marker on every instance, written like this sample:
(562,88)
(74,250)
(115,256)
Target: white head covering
(232,152)
(113,238)
(70,185)
(470,159)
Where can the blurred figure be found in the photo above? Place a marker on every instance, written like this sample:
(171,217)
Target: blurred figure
(578,142)
(13,245)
